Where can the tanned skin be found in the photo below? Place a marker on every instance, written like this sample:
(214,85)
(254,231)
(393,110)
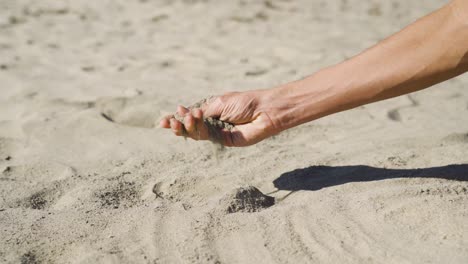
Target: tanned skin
(429,51)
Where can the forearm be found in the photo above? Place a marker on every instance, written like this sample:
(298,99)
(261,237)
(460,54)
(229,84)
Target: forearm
(433,49)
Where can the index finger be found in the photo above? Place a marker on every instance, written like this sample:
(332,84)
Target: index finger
(165,121)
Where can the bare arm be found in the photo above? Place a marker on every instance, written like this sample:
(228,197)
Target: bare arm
(431,50)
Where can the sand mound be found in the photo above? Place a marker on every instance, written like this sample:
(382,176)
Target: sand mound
(246,199)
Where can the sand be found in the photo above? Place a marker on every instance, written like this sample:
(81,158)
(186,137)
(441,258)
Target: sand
(83,82)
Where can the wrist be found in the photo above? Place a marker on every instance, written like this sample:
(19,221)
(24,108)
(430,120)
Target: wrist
(305,100)
(300,101)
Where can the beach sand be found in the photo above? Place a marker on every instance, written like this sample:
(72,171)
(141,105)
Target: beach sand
(85,177)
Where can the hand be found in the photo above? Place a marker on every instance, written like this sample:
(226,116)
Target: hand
(244,110)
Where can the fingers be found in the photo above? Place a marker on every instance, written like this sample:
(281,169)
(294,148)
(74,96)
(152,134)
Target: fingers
(165,122)
(169,122)
(177,127)
(195,128)
(189,123)
(193,121)
(182,111)
(192,124)
(172,123)
(197,113)
(198,131)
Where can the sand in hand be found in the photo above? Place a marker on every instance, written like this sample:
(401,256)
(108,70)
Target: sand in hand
(214,125)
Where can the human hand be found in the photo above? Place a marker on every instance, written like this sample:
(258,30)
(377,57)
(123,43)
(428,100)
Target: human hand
(246,111)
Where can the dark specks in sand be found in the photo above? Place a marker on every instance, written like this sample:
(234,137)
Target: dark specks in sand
(260,16)
(394,115)
(126,23)
(108,118)
(158,18)
(256,72)
(269,4)
(53,46)
(29,258)
(124,195)
(87,68)
(13,20)
(166,64)
(7,169)
(45,12)
(375,10)
(37,201)
(5,46)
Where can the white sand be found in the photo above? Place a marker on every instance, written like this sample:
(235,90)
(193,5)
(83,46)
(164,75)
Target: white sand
(77,188)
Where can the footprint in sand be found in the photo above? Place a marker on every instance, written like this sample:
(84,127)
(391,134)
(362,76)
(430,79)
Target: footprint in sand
(395,115)
(7,146)
(48,187)
(457,138)
(138,111)
(172,189)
